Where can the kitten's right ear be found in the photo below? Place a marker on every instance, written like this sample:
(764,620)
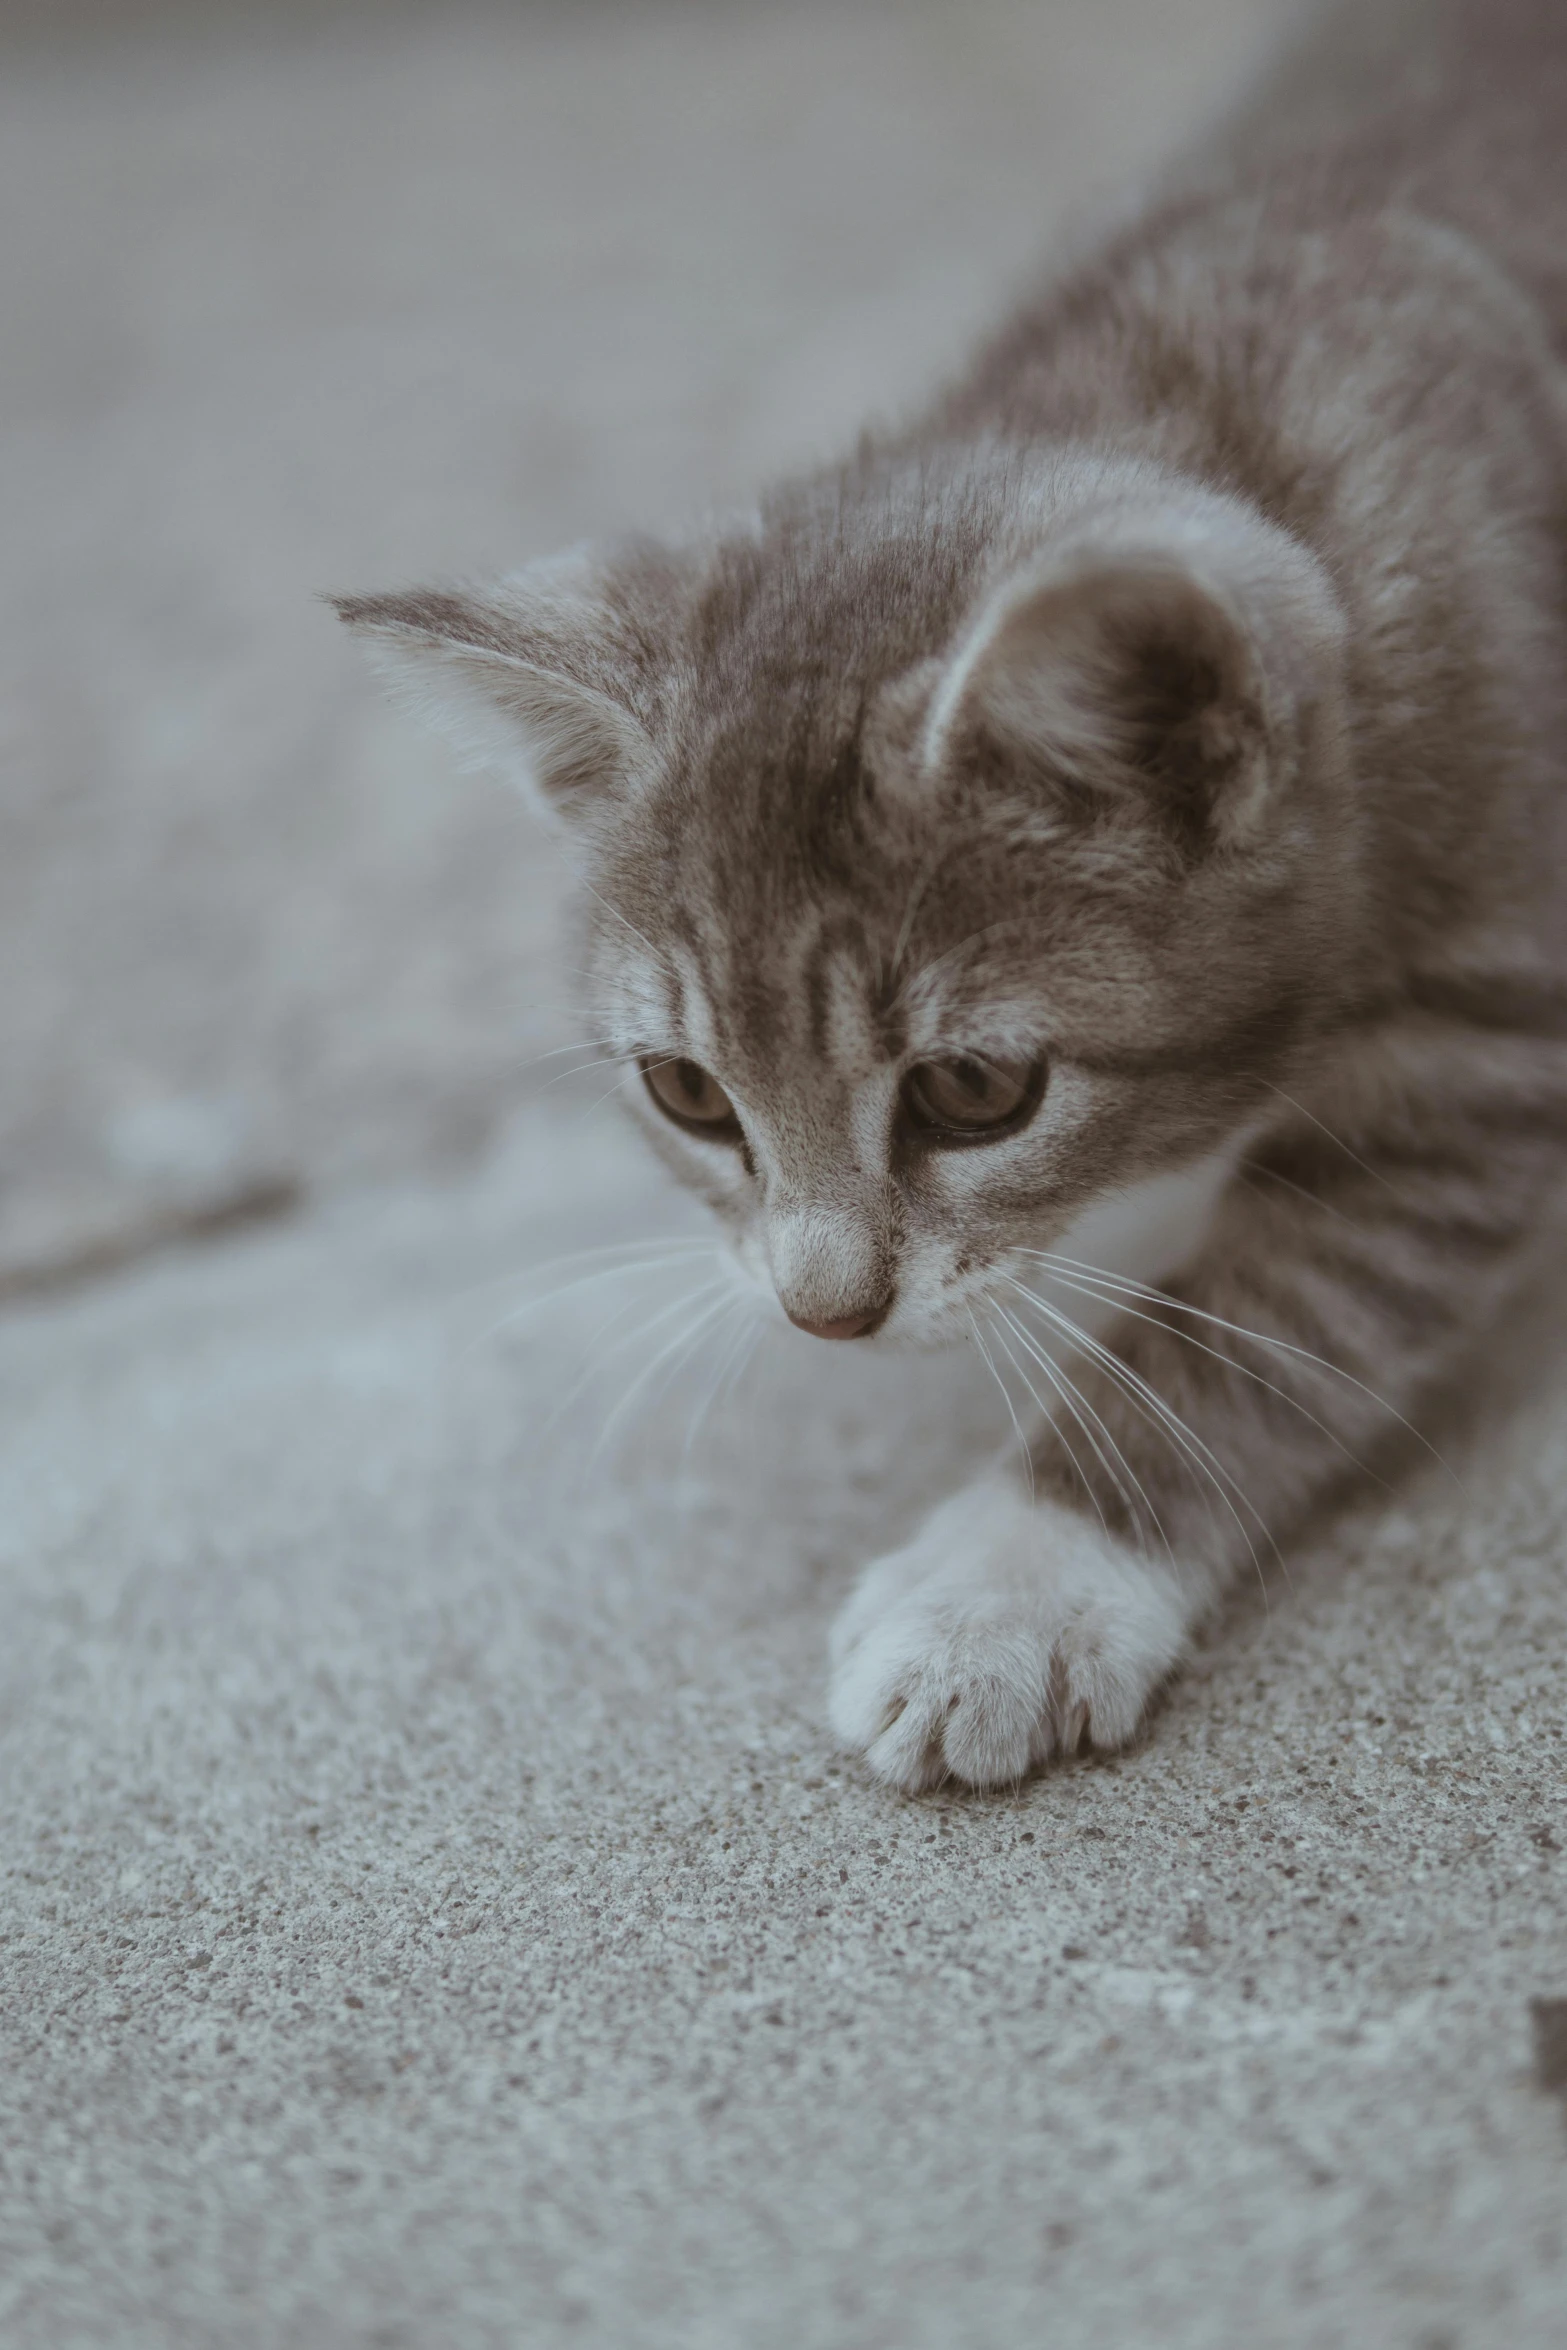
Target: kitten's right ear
(1171,659)
(532,677)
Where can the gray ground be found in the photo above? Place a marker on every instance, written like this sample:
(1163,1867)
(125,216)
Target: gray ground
(433,1913)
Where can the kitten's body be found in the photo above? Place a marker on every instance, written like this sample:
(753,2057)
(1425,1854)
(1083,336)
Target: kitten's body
(1181,705)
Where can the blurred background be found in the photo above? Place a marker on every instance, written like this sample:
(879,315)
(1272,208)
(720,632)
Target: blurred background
(315,297)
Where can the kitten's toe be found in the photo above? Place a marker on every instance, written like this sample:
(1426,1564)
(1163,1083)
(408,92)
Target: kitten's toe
(998,1722)
(926,1696)
(909,1754)
(878,1699)
(1110,1655)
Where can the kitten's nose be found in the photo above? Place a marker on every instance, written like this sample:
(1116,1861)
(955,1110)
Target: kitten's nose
(846,1326)
(831,1266)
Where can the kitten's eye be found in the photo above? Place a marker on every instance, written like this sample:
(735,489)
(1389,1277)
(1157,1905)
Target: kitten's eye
(966,1099)
(684,1091)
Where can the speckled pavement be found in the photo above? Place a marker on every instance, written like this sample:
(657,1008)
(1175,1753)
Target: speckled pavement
(434,1912)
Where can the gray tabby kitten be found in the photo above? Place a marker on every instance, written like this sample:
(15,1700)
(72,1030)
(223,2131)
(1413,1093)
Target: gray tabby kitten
(1137,784)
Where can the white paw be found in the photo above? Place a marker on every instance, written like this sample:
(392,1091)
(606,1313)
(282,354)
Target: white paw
(1007,1631)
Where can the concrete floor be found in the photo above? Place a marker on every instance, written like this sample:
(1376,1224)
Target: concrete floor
(433,1913)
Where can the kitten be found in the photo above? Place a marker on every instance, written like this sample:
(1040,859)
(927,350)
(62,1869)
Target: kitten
(1142,774)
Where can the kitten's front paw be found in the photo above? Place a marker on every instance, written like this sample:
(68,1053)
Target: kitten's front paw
(1007,1631)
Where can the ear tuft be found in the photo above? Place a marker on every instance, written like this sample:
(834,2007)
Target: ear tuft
(523,677)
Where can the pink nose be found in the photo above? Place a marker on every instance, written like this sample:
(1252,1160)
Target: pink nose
(847,1326)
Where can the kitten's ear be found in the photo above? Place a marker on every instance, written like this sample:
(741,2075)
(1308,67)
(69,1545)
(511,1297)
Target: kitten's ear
(538,677)
(1175,667)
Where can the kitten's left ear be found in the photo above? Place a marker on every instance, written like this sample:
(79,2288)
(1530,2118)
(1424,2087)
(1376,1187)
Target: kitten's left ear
(1174,663)
(548,677)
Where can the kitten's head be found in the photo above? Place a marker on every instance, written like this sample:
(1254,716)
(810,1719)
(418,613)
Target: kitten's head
(960,843)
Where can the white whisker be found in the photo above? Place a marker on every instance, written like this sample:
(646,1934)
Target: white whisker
(674,1353)
(740,1348)
(1081,1289)
(1070,1272)
(600,1099)
(672,1253)
(558,1052)
(1337,1140)
(1176,1430)
(1252,1174)
(661,960)
(607,1248)
(1006,1396)
(644,1330)
(1084,1479)
(1075,1392)
(581,1069)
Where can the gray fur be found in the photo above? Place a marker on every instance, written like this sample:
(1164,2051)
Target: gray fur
(1181,697)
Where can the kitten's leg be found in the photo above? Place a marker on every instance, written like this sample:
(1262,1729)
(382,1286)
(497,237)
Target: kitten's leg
(1379,1227)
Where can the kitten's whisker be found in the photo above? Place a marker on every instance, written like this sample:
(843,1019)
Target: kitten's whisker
(724,1347)
(674,1353)
(1176,1430)
(1134,1386)
(580,1069)
(655,1321)
(1006,1396)
(601,1099)
(1040,1404)
(1163,1297)
(652,1249)
(1073,1389)
(660,959)
(708,1336)
(1251,1173)
(519,1314)
(758,1327)
(558,1052)
(644,1329)
(626,1270)
(743,1341)
(582,881)
(1197,1471)
(594,1369)
(1337,1140)
(667,1313)
(583,971)
(1081,1289)
(632,1069)
(578,1044)
(607,1248)
(1118,1289)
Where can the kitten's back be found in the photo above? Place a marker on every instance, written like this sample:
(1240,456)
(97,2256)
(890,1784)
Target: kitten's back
(1457,108)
